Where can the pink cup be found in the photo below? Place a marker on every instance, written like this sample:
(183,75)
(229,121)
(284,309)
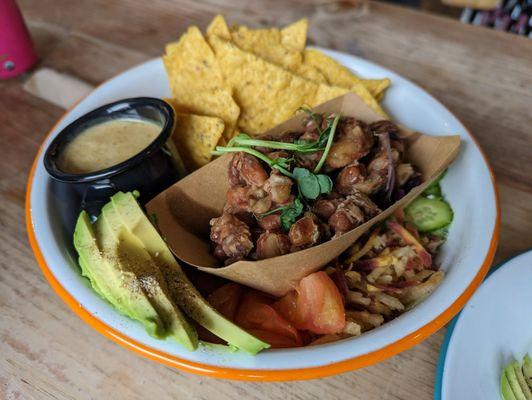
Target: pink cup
(16,49)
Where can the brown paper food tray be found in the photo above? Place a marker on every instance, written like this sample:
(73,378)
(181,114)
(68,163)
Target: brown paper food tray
(184,210)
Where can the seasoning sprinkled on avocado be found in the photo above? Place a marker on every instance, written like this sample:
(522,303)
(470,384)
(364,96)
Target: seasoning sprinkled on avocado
(129,265)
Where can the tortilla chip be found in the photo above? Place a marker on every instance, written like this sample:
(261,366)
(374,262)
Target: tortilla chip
(364,93)
(283,47)
(266,93)
(196,80)
(335,73)
(195,136)
(267,44)
(377,87)
(294,36)
(219,27)
(338,75)
(326,93)
(311,73)
(178,108)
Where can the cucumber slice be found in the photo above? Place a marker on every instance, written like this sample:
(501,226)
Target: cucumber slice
(442,232)
(433,190)
(429,214)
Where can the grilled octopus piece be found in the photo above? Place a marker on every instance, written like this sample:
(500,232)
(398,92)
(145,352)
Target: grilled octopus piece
(385,126)
(279,188)
(246,170)
(365,203)
(369,181)
(347,216)
(403,172)
(274,155)
(326,207)
(247,199)
(270,222)
(354,141)
(232,237)
(350,176)
(308,160)
(305,232)
(272,244)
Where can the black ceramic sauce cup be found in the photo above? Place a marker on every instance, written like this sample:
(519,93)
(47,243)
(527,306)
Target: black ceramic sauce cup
(149,172)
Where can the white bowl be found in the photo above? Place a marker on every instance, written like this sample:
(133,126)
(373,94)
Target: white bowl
(493,330)
(465,257)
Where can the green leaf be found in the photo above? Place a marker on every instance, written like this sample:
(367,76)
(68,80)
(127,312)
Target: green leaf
(290,213)
(300,173)
(308,183)
(310,187)
(282,162)
(326,184)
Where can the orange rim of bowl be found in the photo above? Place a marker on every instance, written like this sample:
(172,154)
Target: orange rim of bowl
(259,374)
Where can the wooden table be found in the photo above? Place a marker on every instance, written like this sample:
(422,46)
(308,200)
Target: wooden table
(485,77)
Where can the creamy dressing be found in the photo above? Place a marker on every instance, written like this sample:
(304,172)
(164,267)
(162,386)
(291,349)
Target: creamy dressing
(103,145)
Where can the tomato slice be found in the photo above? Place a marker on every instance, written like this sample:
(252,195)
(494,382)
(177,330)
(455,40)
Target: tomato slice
(257,315)
(288,307)
(316,305)
(226,299)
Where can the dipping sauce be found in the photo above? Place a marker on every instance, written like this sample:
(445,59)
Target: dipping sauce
(103,145)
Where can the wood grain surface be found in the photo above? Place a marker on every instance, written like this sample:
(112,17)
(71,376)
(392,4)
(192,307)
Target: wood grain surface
(483,76)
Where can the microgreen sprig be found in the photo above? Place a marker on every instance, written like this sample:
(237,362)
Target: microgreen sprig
(261,156)
(302,147)
(289,213)
(328,145)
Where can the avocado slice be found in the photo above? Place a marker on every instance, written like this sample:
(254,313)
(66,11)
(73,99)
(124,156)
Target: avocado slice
(522,381)
(513,381)
(128,251)
(108,278)
(86,272)
(181,289)
(527,370)
(506,390)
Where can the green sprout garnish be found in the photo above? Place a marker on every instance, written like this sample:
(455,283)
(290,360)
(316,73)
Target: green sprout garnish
(245,140)
(310,184)
(289,213)
(328,145)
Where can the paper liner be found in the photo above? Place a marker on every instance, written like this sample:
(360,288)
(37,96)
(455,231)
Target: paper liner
(184,210)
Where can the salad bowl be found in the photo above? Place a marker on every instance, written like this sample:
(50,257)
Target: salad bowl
(465,257)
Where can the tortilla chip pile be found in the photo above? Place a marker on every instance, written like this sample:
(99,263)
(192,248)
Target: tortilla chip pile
(236,79)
